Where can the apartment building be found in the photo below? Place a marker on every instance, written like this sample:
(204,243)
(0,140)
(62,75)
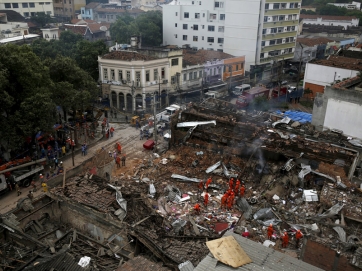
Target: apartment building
(67,10)
(262,31)
(28,8)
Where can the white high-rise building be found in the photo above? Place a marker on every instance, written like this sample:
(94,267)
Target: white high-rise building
(263,30)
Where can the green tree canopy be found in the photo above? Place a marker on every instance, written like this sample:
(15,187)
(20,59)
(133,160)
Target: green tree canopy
(25,95)
(148,25)
(41,18)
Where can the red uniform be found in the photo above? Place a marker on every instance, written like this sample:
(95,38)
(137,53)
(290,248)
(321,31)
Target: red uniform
(285,239)
(230,200)
(206,199)
(119,148)
(237,185)
(208,182)
(298,236)
(197,208)
(201,185)
(270,231)
(231,184)
(224,200)
(242,191)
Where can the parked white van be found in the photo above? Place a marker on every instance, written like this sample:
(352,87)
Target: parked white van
(238,90)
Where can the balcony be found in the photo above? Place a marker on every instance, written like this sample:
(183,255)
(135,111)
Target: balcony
(281,23)
(276,58)
(277,47)
(279,35)
(284,11)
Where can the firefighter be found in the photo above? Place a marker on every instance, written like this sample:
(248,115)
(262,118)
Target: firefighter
(119,147)
(285,239)
(237,185)
(45,187)
(231,184)
(201,185)
(206,199)
(197,208)
(208,182)
(111,131)
(242,190)
(118,162)
(270,231)
(298,236)
(224,200)
(123,160)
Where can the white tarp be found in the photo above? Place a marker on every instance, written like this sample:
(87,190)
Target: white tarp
(285,120)
(213,167)
(84,261)
(195,123)
(310,195)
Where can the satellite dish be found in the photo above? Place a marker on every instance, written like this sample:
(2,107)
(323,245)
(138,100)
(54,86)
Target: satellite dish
(103,28)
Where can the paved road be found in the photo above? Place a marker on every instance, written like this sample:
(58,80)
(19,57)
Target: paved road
(125,134)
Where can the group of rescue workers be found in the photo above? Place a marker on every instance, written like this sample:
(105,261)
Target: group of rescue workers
(227,202)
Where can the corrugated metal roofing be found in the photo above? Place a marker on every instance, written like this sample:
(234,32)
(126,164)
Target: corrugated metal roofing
(64,262)
(263,258)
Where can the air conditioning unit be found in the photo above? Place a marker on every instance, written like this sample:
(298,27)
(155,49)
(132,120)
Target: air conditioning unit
(165,81)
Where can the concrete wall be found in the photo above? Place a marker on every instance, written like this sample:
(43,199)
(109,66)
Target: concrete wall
(339,109)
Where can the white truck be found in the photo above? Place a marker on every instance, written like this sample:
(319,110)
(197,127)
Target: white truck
(22,175)
(167,113)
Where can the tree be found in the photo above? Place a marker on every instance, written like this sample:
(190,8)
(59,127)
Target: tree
(74,88)
(148,25)
(41,18)
(25,95)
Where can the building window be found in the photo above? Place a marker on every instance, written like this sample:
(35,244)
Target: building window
(184,26)
(111,15)
(200,3)
(184,76)
(15,5)
(291,5)
(120,76)
(195,27)
(276,6)
(176,13)
(203,26)
(147,76)
(184,37)
(128,76)
(281,18)
(193,2)
(155,74)
(273,30)
(203,15)
(210,39)
(280,29)
(197,15)
(138,79)
(212,16)
(162,73)
(263,43)
(32,13)
(174,62)
(279,41)
(41,3)
(195,38)
(219,4)
(262,55)
(32,5)
(265,19)
(221,29)
(176,36)
(264,31)
(200,74)
(211,28)
(26,14)
(190,76)
(112,74)
(271,42)
(290,17)
(7,5)
(220,40)
(275,18)
(49,12)
(47,3)
(175,24)
(173,79)
(195,75)
(105,74)
(202,37)
(266,6)
(24,5)
(186,14)
(283,5)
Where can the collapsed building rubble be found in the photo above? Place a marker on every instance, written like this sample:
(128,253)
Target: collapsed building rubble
(295,179)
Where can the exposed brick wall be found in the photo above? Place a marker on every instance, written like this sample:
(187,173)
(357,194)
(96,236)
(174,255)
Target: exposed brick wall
(315,88)
(325,258)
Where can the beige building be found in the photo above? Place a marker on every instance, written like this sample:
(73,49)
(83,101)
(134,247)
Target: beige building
(130,79)
(27,8)
(68,9)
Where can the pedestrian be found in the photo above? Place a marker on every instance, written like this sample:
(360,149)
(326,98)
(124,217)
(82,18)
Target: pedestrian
(242,191)
(118,162)
(141,134)
(270,231)
(41,177)
(55,162)
(124,160)
(17,189)
(30,195)
(231,184)
(45,187)
(298,236)
(63,150)
(107,133)
(285,239)
(137,124)
(197,208)
(111,130)
(206,199)
(60,169)
(208,182)
(83,150)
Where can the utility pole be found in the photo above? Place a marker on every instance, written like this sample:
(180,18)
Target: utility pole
(231,75)
(154,121)
(159,92)
(202,88)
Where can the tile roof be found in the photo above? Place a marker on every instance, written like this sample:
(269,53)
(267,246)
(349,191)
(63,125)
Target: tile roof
(94,28)
(92,5)
(77,29)
(119,10)
(328,17)
(140,263)
(202,56)
(13,16)
(340,62)
(127,56)
(313,41)
(75,21)
(263,258)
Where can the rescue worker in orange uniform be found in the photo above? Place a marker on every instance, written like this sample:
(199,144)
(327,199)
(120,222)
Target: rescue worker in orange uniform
(231,184)
(298,236)
(119,147)
(242,190)
(285,239)
(197,208)
(237,185)
(270,231)
(208,182)
(206,199)
(201,185)
(224,200)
